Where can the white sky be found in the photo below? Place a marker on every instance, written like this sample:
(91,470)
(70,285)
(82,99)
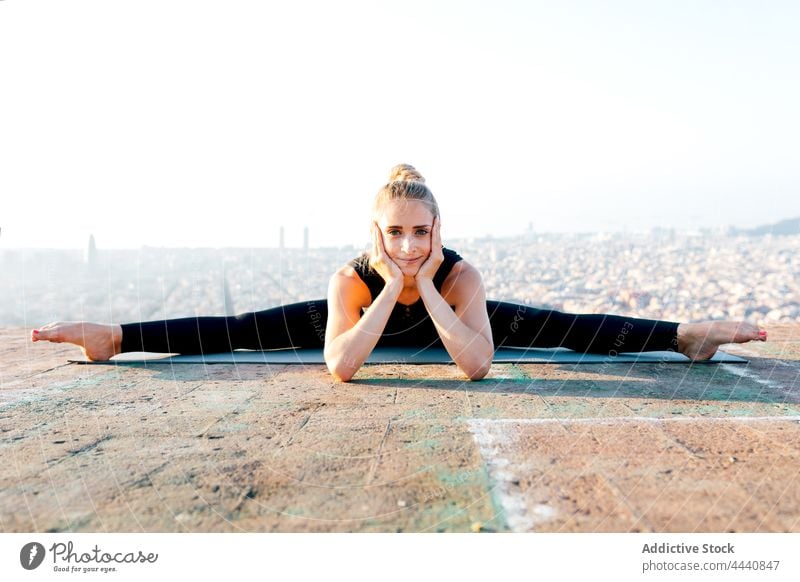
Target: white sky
(185,123)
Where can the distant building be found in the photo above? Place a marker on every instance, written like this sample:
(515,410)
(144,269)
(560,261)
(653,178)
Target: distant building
(281,242)
(529,233)
(227,297)
(90,254)
(305,239)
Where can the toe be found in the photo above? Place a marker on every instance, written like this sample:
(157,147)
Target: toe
(45,334)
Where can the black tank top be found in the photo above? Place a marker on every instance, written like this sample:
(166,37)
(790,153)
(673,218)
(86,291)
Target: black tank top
(408,325)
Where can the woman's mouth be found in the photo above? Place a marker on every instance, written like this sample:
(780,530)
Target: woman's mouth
(409,261)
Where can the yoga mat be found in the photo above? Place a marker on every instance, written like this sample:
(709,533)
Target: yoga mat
(434,355)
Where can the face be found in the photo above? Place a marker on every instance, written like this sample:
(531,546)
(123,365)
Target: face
(406,229)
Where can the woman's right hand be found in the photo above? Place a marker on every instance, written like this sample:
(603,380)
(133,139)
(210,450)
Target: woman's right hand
(380,260)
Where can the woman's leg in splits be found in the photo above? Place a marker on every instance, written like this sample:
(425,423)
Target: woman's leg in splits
(520,325)
(302,325)
(517,325)
(298,325)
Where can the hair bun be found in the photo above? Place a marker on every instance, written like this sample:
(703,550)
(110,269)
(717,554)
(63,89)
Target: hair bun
(405,173)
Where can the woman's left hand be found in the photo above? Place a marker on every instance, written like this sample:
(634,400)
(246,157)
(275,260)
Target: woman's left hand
(428,269)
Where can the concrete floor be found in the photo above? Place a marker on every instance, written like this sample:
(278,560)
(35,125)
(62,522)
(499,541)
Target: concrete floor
(577,448)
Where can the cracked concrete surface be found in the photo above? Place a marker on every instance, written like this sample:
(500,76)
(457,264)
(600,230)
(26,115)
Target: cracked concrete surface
(578,448)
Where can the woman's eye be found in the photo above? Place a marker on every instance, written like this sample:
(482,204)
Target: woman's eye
(421,232)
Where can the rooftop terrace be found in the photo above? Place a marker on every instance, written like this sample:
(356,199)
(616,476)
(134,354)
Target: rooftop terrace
(571,448)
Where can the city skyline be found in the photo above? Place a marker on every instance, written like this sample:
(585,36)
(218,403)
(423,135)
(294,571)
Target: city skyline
(308,240)
(661,275)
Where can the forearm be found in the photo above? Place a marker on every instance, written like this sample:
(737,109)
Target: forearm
(470,350)
(348,352)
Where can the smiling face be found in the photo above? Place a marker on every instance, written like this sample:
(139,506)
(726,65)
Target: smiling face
(406,230)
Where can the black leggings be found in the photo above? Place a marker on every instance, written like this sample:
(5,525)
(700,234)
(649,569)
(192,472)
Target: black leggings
(302,325)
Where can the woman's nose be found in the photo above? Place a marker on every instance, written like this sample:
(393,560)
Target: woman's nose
(408,244)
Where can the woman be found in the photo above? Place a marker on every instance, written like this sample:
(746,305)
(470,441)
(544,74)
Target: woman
(408,290)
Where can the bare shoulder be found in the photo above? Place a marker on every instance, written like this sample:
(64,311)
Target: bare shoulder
(463,289)
(347,295)
(462,279)
(462,269)
(347,282)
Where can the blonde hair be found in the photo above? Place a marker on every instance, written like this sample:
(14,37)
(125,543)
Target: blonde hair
(405,183)
(405,173)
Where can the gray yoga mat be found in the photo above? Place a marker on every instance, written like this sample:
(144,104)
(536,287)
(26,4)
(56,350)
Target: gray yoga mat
(434,355)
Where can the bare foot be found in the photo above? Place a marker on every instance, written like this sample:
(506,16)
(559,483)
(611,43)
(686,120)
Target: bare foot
(699,341)
(97,340)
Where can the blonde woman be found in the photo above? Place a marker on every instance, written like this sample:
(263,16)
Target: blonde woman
(408,290)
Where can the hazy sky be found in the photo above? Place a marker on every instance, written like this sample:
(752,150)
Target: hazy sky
(184,123)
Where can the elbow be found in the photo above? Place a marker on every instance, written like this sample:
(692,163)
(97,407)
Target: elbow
(340,376)
(481,363)
(339,371)
(479,375)
(480,372)
(477,366)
